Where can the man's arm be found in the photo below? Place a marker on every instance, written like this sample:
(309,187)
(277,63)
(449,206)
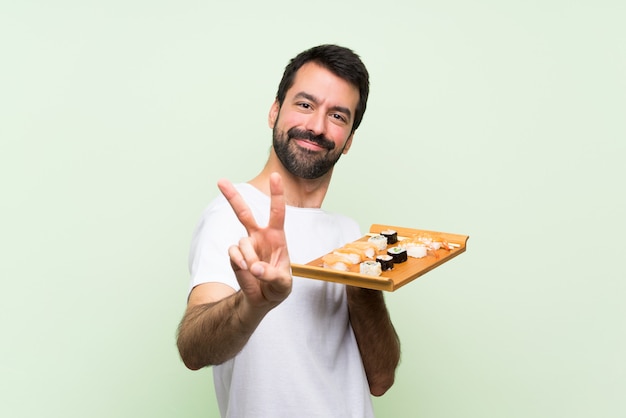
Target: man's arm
(218,322)
(213,331)
(377,339)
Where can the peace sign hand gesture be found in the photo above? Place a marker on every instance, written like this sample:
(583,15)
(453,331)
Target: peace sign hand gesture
(260,261)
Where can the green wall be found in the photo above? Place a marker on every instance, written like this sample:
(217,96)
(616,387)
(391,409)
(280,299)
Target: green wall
(499,120)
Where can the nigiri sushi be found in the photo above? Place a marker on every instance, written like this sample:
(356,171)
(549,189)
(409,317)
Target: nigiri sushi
(368,248)
(336,262)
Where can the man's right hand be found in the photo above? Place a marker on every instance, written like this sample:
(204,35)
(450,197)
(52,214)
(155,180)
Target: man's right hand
(261,260)
(219,321)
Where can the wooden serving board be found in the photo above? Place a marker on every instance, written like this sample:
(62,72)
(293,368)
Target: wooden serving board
(395,278)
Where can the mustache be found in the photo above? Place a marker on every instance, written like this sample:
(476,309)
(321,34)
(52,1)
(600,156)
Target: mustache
(320,140)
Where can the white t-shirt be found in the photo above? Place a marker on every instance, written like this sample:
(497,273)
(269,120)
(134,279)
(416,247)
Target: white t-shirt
(302,360)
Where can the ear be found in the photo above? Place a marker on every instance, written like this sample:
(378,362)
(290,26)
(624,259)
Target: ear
(273,115)
(346,148)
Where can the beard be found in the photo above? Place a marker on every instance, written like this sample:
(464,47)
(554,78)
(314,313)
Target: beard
(302,162)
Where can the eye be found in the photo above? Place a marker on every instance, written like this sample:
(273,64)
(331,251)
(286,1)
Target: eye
(304,105)
(339,117)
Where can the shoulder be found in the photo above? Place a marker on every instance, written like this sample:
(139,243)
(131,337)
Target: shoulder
(219,206)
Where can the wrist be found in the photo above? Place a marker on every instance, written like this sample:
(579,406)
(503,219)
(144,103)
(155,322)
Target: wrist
(249,314)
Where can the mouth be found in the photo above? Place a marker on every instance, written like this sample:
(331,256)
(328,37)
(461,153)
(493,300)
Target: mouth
(310,145)
(309,141)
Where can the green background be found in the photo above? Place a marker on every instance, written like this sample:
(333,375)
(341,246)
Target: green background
(504,121)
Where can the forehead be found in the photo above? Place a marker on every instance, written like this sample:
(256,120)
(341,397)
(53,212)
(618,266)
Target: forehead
(327,87)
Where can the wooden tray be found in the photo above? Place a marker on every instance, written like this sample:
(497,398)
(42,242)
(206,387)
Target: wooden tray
(389,280)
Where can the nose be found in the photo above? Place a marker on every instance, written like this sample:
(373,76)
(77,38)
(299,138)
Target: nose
(316,123)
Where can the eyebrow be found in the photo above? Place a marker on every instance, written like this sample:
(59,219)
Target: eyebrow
(313,99)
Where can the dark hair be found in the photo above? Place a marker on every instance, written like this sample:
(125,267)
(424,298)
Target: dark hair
(342,62)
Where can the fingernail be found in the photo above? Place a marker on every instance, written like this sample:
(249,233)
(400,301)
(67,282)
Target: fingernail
(243,265)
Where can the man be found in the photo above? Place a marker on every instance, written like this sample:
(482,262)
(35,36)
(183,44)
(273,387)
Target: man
(284,346)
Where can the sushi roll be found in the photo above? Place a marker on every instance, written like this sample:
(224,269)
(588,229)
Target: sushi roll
(386,261)
(399,254)
(391,235)
(379,240)
(370,268)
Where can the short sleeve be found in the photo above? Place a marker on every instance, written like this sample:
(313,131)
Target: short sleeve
(217,230)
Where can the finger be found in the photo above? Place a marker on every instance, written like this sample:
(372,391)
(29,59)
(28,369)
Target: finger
(278,281)
(270,273)
(243,212)
(237,259)
(248,251)
(277,205)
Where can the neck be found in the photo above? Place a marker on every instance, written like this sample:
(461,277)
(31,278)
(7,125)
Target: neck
(299,192)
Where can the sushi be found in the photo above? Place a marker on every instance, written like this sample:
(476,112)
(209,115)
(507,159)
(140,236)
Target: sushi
(336,262)
(379,240)
(416,250)
(386,261)
(399,254)
(368,249)
(353,254)
(370,268)
(391,235)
